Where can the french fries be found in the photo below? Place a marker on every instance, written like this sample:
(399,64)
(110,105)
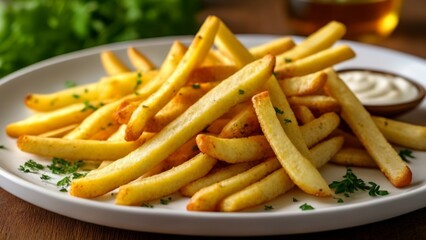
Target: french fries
(226,126)
(299,168)
(355,115)
(211,106)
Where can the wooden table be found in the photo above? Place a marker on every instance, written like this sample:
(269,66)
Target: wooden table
(21,220)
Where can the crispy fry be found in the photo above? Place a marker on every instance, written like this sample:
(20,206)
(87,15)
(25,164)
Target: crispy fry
(357,157)
(75,149)
(322,39)
(303,114)
(195,54)
(208,198)
(299,168)
(315,62)
(241,125)
(165,183)
(112,64)
(60,132)
(274,47)
(98,120)
(213,73)
(175,54)
(235,150)
(59,99)
(216,175)
(359,120)
(319,128)
(139,60)
(319,103)
(120,85)
(210,107)
(303,85)
(403,134)
(44,122)
(278,182)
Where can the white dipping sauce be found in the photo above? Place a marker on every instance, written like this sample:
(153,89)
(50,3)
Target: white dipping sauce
(374,88)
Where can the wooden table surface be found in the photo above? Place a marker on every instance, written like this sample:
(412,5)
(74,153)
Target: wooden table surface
(21,220)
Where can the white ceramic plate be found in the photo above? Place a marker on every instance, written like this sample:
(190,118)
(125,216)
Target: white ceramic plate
(285,217)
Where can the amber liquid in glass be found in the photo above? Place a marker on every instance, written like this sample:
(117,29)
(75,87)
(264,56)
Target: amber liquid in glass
(365,20)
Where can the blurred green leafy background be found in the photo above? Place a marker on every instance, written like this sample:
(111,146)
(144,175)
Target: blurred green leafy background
(33,30)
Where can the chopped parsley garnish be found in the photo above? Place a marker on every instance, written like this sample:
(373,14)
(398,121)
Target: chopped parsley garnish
(70,84)
(89,106)
(288,60)
(61,166)
(241,91)
(45,177)
(268,207)
(306,207)
(138,83)
(405,154)
(351,183)
(196,86)
(2,147)
(287,121)
(147,205)
(165,201)
(278,111)
(295,199)
(76,96)
(145,106)
(31,166)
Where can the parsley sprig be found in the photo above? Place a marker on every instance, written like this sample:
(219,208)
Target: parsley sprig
(58,166)
(405,154)
(351,183)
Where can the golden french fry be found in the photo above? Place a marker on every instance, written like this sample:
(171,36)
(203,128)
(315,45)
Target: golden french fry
(274,47)
(105,132)
(217,125)
(237,88)
(139,60)
(60,132)
(195,54)
(165,183)
(359,120)
(175,54)
(228,43)
(216,175)
(322,39)
(266,189)
(235,150)
(112,64)
(241,125)
(303,114)
(278,182)
(99,119)
(403,134)
(357,157)
(120,85)
(59,99)
(48,121)
(76,149)
(319,128)
(303,85)
(319,103)
(185,152)
(315,62)
(213,73)
(186,96)
(299,168)
(208,198)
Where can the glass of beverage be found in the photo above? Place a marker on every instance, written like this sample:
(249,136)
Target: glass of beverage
(365,20)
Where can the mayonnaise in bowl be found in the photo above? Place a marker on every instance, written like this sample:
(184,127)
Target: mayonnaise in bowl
(383,93)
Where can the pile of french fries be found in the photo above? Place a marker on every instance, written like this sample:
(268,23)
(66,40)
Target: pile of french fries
(229,127)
